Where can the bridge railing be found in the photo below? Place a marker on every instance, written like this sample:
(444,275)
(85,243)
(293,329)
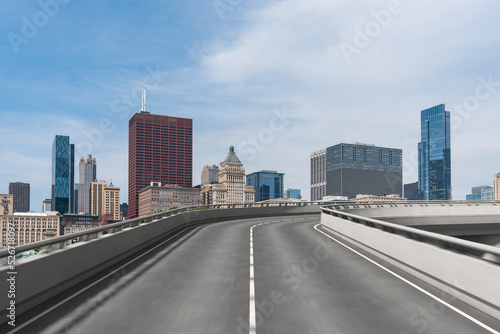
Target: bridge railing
(405,203)
(61,241)
(444,241)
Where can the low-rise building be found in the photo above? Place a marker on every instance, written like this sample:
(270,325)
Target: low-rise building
(156,198)
(72,223)
(374,199)
(30,226)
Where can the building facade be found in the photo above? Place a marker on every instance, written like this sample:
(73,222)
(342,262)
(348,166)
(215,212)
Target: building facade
(231,187)
(160,149)
(46,205)
(21,193)
(124,210)
(63,175)
(209,174)
(379,199)
(158,198)
(475,194)
(289,193)
(411,191)
(352,169)
(318,175)
(434,155)
(496,187)
(73,223)
(487,193)
(104,199)
(87,173)
(30,227)
(268,184)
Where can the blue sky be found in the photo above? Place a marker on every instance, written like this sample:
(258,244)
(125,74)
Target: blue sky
(236,67)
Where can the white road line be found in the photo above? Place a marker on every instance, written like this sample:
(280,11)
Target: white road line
(251,314)
(88,287)
(474,320)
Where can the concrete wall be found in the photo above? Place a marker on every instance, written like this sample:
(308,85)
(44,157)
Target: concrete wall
(473,280)
(46,275)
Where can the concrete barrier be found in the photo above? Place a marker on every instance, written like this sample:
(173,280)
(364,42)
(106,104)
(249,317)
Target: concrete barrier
(44,276)
(469,279)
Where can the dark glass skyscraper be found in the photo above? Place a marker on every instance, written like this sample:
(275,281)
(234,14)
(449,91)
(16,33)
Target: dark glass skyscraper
(353,169)
(21,193)
(434,155)
(268,184)
(63,175)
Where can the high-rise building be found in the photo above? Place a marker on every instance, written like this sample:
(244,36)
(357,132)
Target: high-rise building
(124,210)
(157,198)
(352,169)
(63,175)
(87,173)
(411,191)
(268,184)
(487,193)
(434,155)
(496,187)
(318,175)
(231,187)
(160,149)
(21,193)
(289,193)
(475,194)
(104,199)
(47,205)
(209,174)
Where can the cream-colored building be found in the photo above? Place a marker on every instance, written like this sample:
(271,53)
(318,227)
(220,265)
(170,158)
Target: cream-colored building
(374,199)
(30,227)
(496,187)
(231,187)
(104,199)
(156,198)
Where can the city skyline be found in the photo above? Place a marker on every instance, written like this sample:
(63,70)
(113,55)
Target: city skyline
(245,89)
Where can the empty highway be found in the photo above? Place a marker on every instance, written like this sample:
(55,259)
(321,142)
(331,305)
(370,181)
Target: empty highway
(273,275)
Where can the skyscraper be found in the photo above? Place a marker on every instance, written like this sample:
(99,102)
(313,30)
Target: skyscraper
(160,150)
(352,169)
(104,199)
(411,191)
(318,175)
(496,187)
(63,175)
(434,155)
(87,174)
(289,193)
(209,174)
(268,184)
(231,187)
(21,192)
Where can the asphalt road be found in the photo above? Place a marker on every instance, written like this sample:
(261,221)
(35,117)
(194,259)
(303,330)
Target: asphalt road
(304,282)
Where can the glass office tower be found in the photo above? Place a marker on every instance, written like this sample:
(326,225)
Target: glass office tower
(434,157)
(268,184)
(63,175)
